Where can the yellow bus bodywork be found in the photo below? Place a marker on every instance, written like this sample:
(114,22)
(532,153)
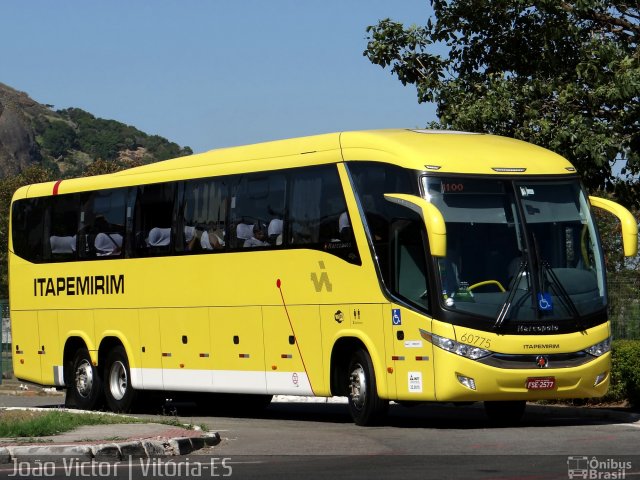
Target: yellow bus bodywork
(268,321)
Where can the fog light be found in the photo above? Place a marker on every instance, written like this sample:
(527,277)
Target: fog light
(600,378)
(466,381)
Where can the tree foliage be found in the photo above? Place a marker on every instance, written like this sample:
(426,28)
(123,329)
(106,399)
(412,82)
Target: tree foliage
(105,139)
(102,167)
(561,74)
(58,138)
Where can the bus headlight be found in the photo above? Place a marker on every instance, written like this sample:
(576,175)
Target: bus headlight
(462,349)
(599,348)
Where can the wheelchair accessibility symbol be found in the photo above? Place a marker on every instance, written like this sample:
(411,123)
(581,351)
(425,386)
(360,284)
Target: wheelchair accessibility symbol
(545,304)
(396,319)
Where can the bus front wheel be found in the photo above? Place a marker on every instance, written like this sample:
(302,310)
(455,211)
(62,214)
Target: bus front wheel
(84,389)
(118,391)
(365,407)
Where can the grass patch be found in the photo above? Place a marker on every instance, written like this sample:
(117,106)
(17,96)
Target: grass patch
(28,423)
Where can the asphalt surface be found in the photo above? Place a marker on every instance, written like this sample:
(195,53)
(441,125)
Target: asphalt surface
(150,440)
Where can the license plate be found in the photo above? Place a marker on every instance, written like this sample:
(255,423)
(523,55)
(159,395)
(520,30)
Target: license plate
(541,383)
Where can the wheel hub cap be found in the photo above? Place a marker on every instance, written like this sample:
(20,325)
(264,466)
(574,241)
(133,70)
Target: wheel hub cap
(118,381)
(84,379)
(358,387)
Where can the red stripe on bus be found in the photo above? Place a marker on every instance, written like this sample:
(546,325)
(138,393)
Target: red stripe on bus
(56,186)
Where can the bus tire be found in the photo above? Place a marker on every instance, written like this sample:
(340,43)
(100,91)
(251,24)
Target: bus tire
(365,406)
(505,413)
(84,386)
(118,391)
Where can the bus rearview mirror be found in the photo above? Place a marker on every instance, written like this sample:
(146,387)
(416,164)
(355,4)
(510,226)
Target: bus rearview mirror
(627,221)
(433,220)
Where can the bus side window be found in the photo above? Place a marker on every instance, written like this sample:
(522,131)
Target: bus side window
(64,227)
(28,228)
(153,219)
(408,246)
(318,213)
(202,216)
(257,211)
(306,193)
(101,224)
(372,180)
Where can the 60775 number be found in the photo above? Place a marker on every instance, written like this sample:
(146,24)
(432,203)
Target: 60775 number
(476,340)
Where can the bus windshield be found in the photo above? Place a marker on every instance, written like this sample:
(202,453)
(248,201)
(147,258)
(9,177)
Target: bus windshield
(518,249)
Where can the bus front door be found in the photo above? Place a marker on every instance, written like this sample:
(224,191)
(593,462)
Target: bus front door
(412,356)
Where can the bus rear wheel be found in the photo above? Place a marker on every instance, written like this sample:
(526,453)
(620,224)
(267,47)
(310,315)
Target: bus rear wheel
(365,407)
(118,391)
(84,387)
(505,413)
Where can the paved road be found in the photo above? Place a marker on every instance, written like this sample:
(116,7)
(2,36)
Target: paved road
(437,441)
(310,429)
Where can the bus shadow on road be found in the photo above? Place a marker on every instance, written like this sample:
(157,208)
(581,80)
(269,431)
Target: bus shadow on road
(427,415)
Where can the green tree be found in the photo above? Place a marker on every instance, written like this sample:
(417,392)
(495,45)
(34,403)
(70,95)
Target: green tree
(103,167)
(105,139)
(561,74)
(58,138)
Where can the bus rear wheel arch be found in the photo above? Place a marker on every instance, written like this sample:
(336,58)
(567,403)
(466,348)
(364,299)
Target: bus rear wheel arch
(118,392)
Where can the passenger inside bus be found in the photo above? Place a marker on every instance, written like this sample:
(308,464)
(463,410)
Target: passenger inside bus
(189,235)
(244,232)
(258,239)
(212,239)
(200,238)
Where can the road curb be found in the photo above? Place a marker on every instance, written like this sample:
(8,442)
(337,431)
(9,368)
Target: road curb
(110,451)
(5,455)
(31,453)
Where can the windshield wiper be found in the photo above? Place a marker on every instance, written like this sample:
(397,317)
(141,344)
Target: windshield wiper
(506,306)
(564,296)
(547,274)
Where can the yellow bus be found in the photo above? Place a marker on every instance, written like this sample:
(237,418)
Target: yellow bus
(391,265)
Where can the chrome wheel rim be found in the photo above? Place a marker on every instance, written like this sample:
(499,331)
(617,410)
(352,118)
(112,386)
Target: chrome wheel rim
(118,381)
(84,378)
(358,387)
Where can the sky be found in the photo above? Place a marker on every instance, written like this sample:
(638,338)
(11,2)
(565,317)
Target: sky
(211,73)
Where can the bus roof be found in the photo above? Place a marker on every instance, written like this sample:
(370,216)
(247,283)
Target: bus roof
(432,150)
(453,152)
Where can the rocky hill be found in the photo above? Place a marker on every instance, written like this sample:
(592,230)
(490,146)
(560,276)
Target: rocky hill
(68,141)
